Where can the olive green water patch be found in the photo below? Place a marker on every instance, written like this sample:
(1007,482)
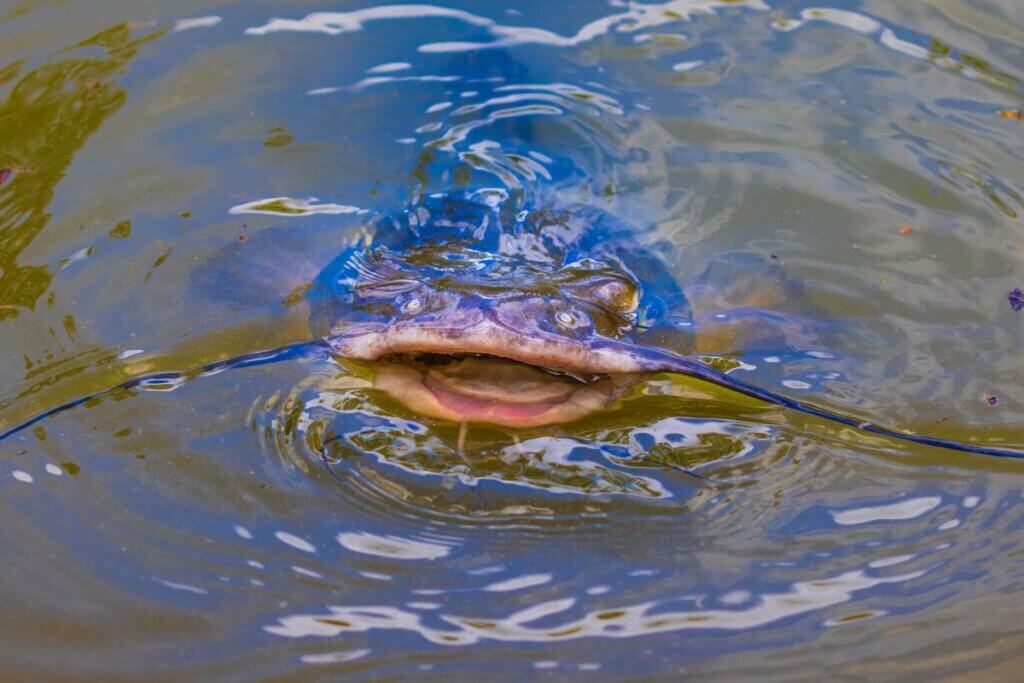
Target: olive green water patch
(49,115)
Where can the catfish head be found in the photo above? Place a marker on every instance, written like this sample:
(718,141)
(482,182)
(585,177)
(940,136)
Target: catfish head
(475,314)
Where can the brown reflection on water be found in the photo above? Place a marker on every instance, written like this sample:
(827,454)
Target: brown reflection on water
(49,114)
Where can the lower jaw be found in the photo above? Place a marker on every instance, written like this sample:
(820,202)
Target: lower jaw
(417,390)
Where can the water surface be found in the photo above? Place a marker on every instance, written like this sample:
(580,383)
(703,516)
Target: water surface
(281,520)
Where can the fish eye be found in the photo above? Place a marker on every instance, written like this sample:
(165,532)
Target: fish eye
(610,291)
(413,305)
(616,295)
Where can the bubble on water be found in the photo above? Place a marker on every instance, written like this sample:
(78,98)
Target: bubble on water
(899,511)
(295,542)
(518,583)
(243,532)
(486,570)
(183,587)
(795,384)
(339,657)
(394,547)
(389,67)
(306,572)
(890,561)
(737,597)
(686,66)
(951,524)
(22,476)
(971,501)
(196,22)
(54,470)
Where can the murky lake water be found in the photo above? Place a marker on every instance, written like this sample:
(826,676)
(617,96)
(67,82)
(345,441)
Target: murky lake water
(279,520)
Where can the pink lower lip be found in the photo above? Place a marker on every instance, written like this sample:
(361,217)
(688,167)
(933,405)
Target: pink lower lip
(461,399)
(476,409)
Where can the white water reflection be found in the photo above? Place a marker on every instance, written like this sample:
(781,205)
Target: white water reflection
(902,510)
(389,67)
(393,547)
(622,622)
(295,542)
(634,17)
(196,22)
(379,80)
(518,583)
(334,657)
(865,25)
(289,206)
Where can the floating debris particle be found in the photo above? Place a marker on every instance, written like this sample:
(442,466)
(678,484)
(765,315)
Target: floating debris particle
(1011,114)
(990,399)
(906,230)
(1016,298)
(297,295)
(277,138)
(122,230)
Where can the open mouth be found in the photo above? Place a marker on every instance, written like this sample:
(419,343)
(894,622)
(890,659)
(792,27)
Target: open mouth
(490,389)
(477,369)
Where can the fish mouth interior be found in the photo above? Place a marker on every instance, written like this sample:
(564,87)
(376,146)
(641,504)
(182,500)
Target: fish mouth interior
(471,387)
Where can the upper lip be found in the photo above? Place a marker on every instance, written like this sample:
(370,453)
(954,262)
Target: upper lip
(370,341)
